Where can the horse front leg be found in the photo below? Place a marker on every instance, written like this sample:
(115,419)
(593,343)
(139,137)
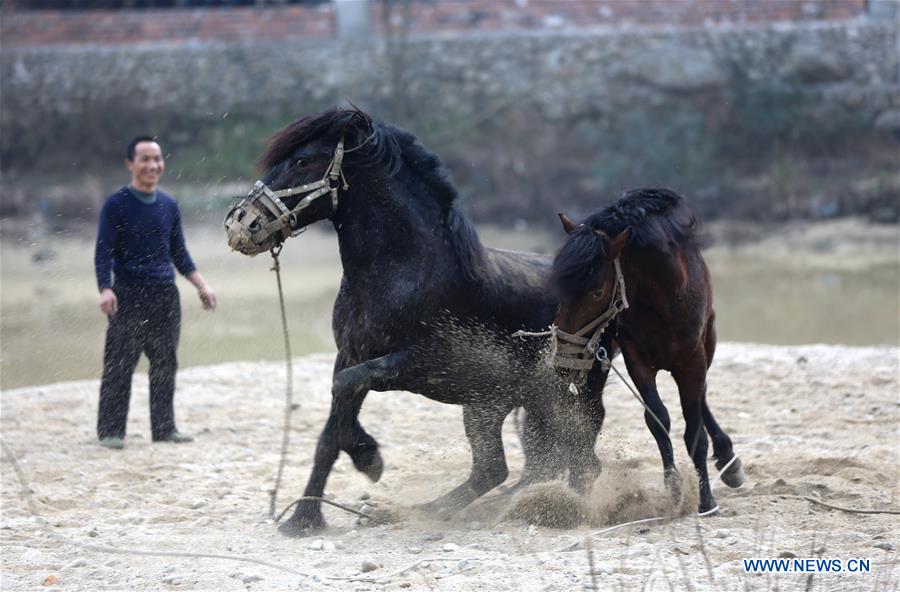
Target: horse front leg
(483,424)
(393,371)
(643,375)
(342,431)
(585,420)
(544,459)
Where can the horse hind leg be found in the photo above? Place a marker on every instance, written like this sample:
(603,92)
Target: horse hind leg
(483,426)
(733,474)
(691,381)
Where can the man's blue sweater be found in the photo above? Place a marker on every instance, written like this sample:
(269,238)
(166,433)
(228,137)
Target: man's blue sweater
(139,242)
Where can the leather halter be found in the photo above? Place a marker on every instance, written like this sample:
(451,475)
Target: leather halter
(577,351)
(252,224)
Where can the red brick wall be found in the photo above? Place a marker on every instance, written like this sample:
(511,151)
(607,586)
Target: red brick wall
(492,15)
(46,27)
(21,27)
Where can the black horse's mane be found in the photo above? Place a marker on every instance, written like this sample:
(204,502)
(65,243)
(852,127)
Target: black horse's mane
(383,149)
(658,219)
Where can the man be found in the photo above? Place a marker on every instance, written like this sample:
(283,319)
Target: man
(139,240)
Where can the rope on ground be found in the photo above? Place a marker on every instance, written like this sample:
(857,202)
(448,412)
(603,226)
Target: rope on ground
(588,537)
(843,509)
(313,498)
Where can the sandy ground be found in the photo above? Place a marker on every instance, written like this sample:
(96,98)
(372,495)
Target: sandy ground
(807,421)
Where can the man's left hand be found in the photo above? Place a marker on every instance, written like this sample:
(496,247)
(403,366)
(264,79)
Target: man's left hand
(208,298)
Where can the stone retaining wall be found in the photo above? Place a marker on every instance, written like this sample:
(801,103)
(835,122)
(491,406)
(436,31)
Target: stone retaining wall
(674,97)
(565,74)
(277,23)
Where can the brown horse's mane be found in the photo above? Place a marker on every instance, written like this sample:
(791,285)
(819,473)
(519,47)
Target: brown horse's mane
(658,219)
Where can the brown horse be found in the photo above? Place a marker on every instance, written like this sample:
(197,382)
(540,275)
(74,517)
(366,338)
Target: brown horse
(635,268)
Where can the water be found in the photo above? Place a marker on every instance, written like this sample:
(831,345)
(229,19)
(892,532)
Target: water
(770,303)
(783,290)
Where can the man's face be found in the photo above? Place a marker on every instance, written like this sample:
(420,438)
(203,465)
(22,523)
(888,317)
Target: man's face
(147,166)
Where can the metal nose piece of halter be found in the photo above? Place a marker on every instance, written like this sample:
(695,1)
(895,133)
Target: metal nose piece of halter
(272,216)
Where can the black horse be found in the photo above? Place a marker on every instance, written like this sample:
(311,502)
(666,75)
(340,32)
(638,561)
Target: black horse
(416,277)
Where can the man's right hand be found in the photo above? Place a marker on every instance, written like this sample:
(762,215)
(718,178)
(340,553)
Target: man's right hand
(109,304)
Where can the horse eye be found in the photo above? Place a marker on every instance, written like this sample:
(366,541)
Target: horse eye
(302,162)
(598,294)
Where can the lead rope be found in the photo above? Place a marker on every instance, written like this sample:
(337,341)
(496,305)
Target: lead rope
(288,409)
(289,390)
(605,362)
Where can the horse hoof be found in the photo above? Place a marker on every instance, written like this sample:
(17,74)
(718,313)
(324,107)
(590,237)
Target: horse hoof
(440,509)
(366,458)
(583,475)
(708,511)
(734,475)
(433,510)
(440,512)
(374,468)
(672,480)
(303,526)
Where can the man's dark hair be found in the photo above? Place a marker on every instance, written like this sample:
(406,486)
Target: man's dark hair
(129,152)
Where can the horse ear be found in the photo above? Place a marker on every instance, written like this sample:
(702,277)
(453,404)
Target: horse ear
(567,223)
(347,119)
(617,243)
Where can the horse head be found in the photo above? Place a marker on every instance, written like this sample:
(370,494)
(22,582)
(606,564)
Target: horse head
(588,281)
(305,171)
(584,274)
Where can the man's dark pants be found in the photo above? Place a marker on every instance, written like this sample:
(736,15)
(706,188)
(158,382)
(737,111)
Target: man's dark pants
(148,321)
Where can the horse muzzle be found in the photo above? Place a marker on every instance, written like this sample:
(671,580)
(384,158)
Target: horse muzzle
(262,221)
(249,231)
